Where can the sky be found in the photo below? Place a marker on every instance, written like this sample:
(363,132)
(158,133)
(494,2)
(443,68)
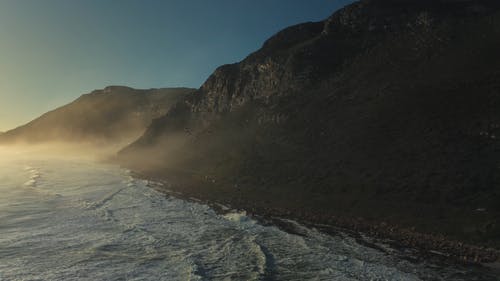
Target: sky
(52,51)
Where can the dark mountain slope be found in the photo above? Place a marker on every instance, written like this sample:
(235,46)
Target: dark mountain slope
(387,110)
(115,113)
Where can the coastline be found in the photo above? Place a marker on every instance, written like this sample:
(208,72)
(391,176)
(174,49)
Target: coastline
(426,245)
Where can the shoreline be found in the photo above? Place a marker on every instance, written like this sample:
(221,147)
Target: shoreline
(425,245)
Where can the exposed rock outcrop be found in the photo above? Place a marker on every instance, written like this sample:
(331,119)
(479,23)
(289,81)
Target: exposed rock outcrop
(387,110)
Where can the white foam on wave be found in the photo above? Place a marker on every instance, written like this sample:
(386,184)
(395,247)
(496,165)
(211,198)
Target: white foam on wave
(129,181)
(240,217)
(235,216)
(34,175)
(260,256)
(30,183)
(126,230)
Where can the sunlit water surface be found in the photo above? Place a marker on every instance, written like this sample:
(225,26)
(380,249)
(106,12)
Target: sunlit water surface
(74,219)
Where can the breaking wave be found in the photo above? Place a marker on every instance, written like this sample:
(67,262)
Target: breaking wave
(34,176)
(96,222)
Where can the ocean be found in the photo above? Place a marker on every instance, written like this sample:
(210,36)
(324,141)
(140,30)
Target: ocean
(73,218)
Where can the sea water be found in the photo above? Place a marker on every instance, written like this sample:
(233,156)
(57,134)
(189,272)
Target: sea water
(72,218)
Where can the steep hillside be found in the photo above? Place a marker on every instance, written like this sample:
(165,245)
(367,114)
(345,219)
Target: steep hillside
(115,113)
(387,110)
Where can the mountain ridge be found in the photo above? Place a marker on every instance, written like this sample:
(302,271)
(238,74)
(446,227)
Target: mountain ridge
(115,113)
(381,111)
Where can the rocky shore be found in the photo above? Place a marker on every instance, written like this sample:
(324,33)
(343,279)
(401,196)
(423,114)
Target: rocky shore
(426,245)
(381,119)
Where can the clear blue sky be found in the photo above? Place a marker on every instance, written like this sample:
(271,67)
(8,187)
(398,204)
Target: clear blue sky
(52,51)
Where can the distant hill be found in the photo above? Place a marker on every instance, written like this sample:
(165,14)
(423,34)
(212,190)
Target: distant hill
(387,110)
(115,113)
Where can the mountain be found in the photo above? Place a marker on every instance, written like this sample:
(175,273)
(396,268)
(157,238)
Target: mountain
(115,113)
(386,111)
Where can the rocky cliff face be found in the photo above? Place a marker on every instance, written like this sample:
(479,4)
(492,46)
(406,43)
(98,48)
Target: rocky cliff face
(113,114)
(386,110)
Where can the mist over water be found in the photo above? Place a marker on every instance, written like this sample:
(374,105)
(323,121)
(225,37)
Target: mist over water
(72,218)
